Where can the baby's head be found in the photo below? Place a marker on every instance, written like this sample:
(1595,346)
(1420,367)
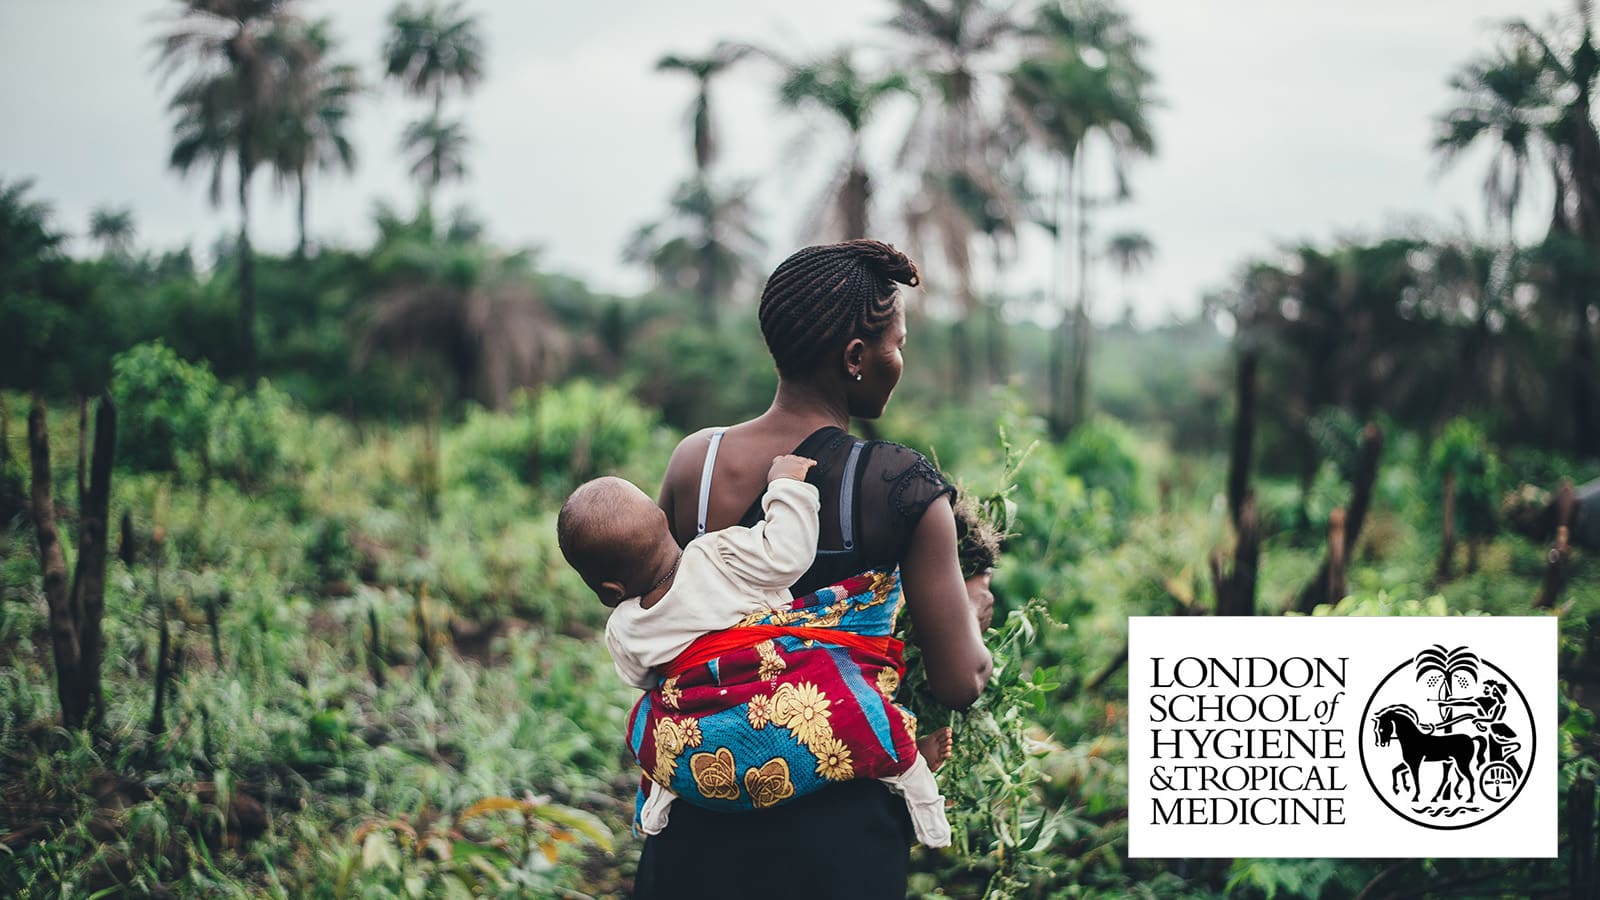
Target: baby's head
(616,537)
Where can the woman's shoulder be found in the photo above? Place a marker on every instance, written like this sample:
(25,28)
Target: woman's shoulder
(909,481)
(691,451)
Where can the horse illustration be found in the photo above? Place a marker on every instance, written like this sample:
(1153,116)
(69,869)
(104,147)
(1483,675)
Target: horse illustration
(1418,745)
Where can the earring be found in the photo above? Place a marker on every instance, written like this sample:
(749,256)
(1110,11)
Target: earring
(858,376)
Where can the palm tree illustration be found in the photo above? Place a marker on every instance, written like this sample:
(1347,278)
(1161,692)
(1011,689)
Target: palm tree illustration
(1448,668)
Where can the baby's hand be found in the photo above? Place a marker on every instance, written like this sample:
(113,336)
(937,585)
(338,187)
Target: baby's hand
(790,466)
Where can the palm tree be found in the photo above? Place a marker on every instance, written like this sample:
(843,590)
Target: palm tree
(1086,78)
(702,69)
(716,263)
(224,105)
(432,47)
(1130,252)
(1502,101)
(113,228)
(314,112)
(1450,668)
(1571,60)
(834,86)
(709,235)
(439,152)
(954,142)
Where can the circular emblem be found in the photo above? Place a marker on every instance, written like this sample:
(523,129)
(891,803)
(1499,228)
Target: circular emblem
(1447,739)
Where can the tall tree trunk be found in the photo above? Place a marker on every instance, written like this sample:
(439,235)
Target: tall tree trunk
(1244,428)
(300,212)
(1586,434)
(1080,360)
(854,199)
(998,370)
(247,165)
(709,289)
(1060,400)
(1236,591)
(247,275)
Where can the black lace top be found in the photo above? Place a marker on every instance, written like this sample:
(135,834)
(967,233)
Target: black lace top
(893,487)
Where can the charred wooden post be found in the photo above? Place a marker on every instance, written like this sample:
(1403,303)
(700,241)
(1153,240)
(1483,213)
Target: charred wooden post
(1566,503)
(127,547)
(1336,558)
(158,723)
(1555,570)
(212,603)
(89,577)
(1316,592)
(63,624)
(430,462)
(1580,813)
(1219,583)
(374,647)
(1244,427)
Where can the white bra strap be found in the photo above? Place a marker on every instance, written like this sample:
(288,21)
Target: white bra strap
(705,481)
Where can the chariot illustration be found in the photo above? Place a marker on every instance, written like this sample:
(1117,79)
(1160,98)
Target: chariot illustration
(1467,735)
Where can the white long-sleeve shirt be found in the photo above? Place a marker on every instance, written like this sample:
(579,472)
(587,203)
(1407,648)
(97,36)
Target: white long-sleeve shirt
(723,576)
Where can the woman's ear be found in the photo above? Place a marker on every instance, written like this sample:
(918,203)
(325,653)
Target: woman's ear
(855,352)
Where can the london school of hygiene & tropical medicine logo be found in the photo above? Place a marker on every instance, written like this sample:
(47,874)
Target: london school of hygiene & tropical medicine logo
(1448,738)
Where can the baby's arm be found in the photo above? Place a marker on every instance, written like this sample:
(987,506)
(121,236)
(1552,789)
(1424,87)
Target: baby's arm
(776,551)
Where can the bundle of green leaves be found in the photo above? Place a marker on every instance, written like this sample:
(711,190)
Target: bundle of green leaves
(1000,822)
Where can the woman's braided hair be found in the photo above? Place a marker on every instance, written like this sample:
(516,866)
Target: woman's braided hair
(822,296)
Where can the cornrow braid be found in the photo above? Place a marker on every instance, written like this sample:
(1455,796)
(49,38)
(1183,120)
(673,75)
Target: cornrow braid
(822,296)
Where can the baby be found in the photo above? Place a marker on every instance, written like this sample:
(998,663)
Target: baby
(664,598)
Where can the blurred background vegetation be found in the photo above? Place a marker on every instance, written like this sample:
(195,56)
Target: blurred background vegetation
(318,639)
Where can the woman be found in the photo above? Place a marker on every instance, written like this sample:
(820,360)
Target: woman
(835,325)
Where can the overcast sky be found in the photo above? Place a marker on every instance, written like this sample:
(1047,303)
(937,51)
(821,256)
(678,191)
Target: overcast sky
(1282,120)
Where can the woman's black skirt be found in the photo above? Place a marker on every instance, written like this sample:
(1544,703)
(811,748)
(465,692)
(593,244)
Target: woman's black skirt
(849,841)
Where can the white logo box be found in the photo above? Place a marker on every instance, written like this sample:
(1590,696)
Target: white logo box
(1289,668)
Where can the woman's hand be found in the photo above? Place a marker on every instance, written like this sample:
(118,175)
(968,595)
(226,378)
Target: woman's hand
(981,598)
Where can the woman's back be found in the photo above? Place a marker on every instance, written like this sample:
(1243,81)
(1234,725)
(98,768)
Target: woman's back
(873,493)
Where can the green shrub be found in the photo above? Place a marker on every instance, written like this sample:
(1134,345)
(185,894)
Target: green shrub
(1103,452)
(164,409)
(1464,450)
(554,440)
(247,433)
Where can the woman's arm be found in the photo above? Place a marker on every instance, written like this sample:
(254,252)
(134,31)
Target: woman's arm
(943,613)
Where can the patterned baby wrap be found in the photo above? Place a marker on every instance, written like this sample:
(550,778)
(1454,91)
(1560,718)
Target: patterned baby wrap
(781,715)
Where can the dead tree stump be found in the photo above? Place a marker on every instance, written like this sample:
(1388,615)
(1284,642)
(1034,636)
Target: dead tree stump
(75,611)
